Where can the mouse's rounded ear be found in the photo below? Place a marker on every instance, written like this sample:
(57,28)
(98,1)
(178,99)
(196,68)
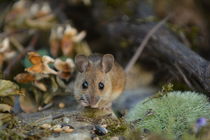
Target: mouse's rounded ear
(81,62)
(107,62)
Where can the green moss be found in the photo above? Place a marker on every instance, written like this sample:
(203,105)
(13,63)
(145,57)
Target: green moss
(115,128)
(95,113)
(172,114)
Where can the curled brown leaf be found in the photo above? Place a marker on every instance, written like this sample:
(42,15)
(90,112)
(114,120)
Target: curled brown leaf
(40,64)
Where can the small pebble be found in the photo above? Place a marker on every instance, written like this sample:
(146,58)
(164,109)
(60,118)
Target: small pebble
(39,108)
(67,129)
(61,105)
(99,130)
(104,125)
(57,130)
(46,126)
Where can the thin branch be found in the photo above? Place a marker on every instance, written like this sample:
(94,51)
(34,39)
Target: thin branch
(144,43)
(184,77)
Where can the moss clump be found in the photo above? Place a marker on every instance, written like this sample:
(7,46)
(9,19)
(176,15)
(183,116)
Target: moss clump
(115,127)
(171,115)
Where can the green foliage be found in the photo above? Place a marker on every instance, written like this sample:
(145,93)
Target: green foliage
(172,114)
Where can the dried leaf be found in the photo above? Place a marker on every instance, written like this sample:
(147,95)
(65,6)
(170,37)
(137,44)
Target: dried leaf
(79,37)
(70,37)
(65,68)
(6,52)
(54,85)
(43,11)
(39,25)
(60,83)
(67,45)
(40,64)
(83,48)
(9,100)
(55,40)
(34,57)
(27,103)
(5,108)
(18,9)
(40,85)
(4,45)
(48,98)
(41,17)
(54,47)
(8,88)
(24,78)
(9,54)
(5,117)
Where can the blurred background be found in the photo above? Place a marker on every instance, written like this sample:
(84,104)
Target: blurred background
(38,25)
(63,29)
(39,40)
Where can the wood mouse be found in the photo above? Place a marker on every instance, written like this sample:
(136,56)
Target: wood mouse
(100,80)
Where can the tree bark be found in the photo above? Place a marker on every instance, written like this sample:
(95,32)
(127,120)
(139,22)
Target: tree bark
(166,44)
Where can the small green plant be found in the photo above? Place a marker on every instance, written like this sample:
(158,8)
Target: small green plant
(170,115)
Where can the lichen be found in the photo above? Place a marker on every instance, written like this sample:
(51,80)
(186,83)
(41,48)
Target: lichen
(172,114)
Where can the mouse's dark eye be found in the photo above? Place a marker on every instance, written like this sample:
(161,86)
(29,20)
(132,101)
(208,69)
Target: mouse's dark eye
(101,86)
(85,85)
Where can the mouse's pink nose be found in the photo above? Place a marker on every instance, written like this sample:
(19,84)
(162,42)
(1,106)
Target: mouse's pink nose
(94,100)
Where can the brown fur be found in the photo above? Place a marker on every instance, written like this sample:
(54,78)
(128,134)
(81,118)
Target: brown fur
(99,69)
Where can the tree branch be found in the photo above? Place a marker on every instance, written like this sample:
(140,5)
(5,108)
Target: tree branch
(166,45)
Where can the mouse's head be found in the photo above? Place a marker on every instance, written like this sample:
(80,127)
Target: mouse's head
(93,84)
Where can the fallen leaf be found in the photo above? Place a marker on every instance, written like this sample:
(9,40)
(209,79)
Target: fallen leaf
(5,117)
(24,78)
(9,100)
(54,85)
(65,68)
(34,58)
(4,45)
(67,45)
(48,98)
(40,64)
(70,37)
(40,85)
(6,53)
(55,40)
(5,108)
(44,10)
(54,47)
(27,103)
(83,48)
(60,82)
(8,88)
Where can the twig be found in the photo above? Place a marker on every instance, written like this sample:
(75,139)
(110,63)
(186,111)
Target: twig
(47,119)
(45,107)
(184,77)
(144,43)
(3,34)
(17,44)
(20,56)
